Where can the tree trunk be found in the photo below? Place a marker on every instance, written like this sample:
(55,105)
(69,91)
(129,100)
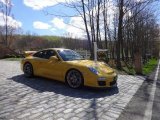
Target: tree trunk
(120,37)
(86,27)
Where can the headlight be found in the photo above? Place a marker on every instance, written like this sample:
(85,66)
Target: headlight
(93,70)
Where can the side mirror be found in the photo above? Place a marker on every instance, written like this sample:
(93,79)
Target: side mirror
(54,59)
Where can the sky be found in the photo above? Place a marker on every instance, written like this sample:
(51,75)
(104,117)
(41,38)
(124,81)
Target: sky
(31,17)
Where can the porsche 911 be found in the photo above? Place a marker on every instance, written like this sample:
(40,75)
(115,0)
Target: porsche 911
(69,67)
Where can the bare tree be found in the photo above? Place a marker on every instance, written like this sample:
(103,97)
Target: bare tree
(127,30)
(6,10)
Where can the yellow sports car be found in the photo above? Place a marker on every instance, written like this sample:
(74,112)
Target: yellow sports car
(68,66)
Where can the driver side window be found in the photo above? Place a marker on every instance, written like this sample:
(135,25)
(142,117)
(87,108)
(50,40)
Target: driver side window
(49,53)
(45,54)
(39,54)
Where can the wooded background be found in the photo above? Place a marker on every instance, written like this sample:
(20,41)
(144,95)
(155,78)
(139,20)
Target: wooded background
(124,27)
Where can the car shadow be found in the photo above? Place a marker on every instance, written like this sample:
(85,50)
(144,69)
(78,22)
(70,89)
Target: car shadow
(47,85)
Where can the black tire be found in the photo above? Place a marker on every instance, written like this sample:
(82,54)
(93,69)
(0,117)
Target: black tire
(28,70)
(74,79)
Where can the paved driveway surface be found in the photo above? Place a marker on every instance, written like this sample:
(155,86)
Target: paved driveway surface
(42,99)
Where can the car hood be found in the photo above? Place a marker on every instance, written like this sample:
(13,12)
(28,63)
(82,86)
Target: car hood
(101,67)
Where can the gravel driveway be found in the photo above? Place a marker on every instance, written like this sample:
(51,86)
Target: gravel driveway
(43,99)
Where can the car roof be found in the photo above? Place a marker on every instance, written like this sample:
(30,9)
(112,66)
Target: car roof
(56,49)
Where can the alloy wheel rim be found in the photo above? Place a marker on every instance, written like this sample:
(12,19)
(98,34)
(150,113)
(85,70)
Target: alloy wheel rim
(28,69)
(74,79)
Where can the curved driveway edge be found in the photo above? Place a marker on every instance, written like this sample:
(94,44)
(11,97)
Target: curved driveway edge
(38,98)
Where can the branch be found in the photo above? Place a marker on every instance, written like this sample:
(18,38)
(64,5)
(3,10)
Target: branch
(58,15)
(137,13)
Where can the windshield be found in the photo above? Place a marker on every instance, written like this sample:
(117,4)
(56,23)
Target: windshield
(68,55)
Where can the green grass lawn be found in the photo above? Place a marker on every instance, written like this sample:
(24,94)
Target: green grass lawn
(147,68)
(150,66)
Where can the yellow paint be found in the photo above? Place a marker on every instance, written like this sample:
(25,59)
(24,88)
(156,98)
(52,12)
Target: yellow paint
(57,70)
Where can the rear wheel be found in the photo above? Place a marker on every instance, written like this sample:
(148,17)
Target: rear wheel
(28,70)
(74,79)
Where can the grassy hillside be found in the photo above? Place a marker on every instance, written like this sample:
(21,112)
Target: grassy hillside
(51,38)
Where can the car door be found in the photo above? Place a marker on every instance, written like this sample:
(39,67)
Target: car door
(49,68)
(39,61)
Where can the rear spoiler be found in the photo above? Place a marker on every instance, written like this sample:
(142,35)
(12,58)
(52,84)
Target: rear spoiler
(29,53)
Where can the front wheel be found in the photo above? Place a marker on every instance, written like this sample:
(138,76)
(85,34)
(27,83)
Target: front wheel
(74,79)
(28,70)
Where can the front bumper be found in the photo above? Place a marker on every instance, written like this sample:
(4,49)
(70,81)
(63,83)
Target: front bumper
(106,83)
(110,81)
